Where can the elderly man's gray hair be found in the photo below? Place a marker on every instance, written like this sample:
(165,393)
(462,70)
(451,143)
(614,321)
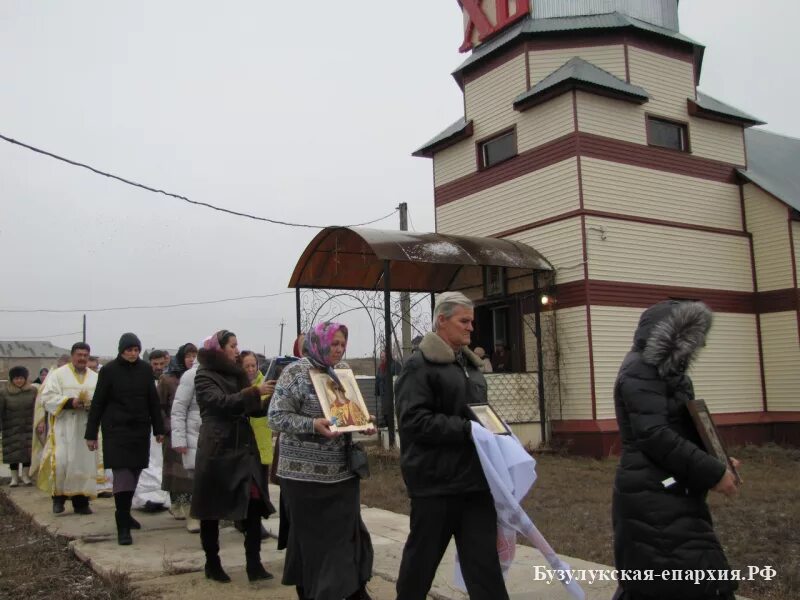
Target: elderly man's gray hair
(446,304)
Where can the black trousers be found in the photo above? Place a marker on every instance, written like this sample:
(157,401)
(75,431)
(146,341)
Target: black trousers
(209,534)
(77,501)
(472,520)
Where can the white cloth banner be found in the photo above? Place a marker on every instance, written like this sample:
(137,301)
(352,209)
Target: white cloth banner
(511,472)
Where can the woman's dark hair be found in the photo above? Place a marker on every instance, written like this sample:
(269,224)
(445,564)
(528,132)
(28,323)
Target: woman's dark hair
(245,353)
(223,337)
(188,348)
(80,346)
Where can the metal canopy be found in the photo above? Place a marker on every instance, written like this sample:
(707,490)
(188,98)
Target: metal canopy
(354,258)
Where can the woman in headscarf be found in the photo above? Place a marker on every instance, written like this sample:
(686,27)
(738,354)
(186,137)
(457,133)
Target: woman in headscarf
(329,553)
(229,481)
(175,479)
(17,399)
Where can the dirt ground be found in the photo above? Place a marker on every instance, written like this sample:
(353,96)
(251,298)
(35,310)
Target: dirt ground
(571,505)
(37,566)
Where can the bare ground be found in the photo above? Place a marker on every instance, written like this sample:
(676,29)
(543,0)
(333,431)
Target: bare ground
(37,566)
(571,505)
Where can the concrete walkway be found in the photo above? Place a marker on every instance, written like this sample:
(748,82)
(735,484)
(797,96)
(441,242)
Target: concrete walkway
(167,560)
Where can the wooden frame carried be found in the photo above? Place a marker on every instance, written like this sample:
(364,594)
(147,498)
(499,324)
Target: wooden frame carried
(709,434)
(342,405)
(489,419)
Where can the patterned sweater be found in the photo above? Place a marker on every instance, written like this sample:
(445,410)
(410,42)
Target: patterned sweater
(304,455)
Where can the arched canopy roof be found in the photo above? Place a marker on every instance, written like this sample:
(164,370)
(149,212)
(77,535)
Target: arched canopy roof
(353,258)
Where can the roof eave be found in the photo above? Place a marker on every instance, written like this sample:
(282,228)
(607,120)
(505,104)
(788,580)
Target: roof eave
(524,103)
(429,150)
(700,112)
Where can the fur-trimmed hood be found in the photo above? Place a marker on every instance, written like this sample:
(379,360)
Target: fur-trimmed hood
(671,333)
(436,350)
(216,361)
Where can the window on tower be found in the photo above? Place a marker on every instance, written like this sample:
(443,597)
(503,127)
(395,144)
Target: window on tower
(667,134)
(497,149)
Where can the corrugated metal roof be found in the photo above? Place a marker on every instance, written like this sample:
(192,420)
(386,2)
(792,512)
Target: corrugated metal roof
(17,349)
(578,69)
(451,131)
(530,26)
(773,163)
(706,102)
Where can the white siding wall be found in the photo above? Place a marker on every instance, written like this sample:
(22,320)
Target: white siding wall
(669,82)
(611,118)
(489,99)
(796,240)
(767,221)
(454,162)
(573,344)
(727,374)
(718,141)
(781,360)
(532,197)
(544,123)
(620,188)
(561,244)
(662,255)
(608,58)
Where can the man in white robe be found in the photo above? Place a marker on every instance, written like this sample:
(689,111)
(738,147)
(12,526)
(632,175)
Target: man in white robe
(67,395)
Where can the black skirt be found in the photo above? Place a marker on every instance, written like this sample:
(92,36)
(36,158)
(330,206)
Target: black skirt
(329,551)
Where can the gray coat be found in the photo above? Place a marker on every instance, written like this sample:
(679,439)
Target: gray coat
(16,416)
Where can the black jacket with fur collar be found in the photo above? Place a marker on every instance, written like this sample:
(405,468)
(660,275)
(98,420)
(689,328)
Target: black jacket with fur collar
(659,524)
(438,456)
(227,454)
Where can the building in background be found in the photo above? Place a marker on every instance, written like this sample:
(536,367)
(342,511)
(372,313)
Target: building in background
(34,356)
(584,135)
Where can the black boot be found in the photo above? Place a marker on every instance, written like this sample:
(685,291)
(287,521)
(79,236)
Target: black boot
(252,543)
(123,528)
(256,571)
(214,570)
(58,504)
(133,522)
(360,594)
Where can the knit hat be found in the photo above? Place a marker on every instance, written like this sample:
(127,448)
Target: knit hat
(128,340)
(15,372)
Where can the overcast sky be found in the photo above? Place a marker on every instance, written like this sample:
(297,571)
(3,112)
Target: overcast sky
(300,114)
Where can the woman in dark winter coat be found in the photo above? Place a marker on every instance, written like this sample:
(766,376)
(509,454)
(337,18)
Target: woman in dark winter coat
(229,481)
(17,403)
(661,519)
(175,479)
(125,404)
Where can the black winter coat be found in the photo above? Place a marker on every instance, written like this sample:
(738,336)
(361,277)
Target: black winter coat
(658,527)
(437,456)
(126,405)
(16,417)
(227,461)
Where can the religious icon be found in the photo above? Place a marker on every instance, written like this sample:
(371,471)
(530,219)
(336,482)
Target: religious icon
(709,434)
(84,399)
(341,402)
(486,416)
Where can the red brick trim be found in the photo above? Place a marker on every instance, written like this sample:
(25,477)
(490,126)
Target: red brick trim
(593,146)
(794,266)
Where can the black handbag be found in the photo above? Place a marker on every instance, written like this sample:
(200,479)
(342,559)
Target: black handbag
(357,461)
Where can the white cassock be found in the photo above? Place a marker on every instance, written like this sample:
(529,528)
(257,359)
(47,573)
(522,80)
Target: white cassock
(73,467)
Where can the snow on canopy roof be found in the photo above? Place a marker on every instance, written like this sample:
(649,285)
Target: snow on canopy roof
(353,258)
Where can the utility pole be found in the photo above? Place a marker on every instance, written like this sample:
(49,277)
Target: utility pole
(405,297)
(280,345)
(84,329)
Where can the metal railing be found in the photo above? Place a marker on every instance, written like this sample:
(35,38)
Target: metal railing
(514,396)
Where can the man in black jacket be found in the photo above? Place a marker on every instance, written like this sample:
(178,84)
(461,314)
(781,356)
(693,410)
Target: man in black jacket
(440,466)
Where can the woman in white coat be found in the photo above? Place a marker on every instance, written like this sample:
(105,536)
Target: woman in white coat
(185,420)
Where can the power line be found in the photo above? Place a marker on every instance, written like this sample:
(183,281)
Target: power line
(41,337)
(116,308)
(177,196)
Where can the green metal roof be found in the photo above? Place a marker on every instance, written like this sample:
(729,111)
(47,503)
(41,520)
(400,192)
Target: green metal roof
(773,163)
(530,26)
(579,70)
(713,105)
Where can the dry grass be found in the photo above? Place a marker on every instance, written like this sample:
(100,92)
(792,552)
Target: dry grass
(571,505)
(37,566)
